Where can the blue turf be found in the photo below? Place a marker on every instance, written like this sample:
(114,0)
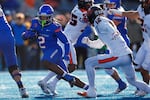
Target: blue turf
(105,86)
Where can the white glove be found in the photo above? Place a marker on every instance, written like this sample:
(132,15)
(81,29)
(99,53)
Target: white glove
(114,12)
(85,40)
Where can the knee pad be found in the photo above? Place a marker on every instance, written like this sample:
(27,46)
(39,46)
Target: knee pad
(14,71)
(109,71)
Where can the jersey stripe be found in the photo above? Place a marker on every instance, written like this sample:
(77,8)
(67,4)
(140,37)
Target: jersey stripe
(71,61)
(107,60)
(58,30)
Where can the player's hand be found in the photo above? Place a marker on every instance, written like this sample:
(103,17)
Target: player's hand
(114,12)
(85,40)
(24,36)
(66,57)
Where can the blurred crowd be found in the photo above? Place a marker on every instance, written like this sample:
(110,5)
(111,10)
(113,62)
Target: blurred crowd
(20,12)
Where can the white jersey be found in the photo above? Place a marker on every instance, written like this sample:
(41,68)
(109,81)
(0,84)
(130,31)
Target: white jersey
(76,25)
(146,28)
(142,16)
(109,34)
(141,11)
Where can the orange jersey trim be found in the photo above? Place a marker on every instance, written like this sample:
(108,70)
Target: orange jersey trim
(58,30)
(71,61)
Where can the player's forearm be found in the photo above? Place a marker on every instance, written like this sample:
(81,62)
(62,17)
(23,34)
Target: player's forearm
(28,35)
(130,14)
(97,44)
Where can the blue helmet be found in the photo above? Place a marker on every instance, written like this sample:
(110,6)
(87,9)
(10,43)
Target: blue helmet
(45,14)
(117,3)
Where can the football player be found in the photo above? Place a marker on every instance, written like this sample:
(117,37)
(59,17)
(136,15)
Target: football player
(120,22)
(73,30)
(120,53)
(7,47)
(141,61)
(47,32)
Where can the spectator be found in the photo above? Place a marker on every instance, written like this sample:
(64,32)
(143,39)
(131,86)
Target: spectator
(9,17)
(18,28)
(135,35)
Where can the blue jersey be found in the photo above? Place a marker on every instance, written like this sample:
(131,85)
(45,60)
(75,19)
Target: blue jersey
(121,26)
(47,37)
(18,30)
(7,42)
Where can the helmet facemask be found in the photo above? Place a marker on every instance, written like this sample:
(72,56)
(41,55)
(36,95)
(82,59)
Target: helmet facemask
(45,19)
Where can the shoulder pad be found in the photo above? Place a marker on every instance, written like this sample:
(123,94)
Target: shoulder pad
(57,27)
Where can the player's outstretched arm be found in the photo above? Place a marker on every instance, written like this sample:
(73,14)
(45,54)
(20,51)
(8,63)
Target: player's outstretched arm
(29,35)
(97,44)
(128,14)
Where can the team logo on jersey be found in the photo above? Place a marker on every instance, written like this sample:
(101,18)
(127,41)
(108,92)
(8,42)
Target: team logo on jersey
(45,35)
(47,30)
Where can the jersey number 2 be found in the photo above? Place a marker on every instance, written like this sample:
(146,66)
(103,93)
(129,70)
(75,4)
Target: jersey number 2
(41,41)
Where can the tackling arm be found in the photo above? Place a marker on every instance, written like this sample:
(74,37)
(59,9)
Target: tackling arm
(97,44)
(128,14)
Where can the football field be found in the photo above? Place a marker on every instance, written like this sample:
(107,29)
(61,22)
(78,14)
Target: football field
(105,87)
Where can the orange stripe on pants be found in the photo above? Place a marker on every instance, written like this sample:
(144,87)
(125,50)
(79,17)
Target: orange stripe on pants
(107,60)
